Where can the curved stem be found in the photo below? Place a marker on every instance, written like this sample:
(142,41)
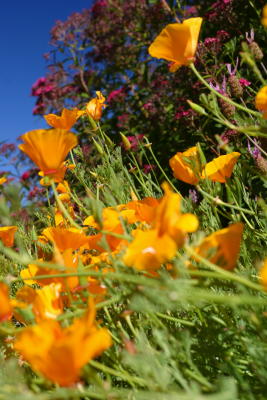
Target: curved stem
(247,110)
(63,209)
(222,203)
(161,169)
(226,274)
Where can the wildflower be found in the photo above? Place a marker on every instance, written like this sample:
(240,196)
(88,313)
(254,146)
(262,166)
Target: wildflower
(263,271)
(95,106)
(65,239)
(156,246)
(60,353)
(148,251)
(222,247)
(169,219)
(177,43)
(6,307)
(111,222)
(220,168)
(264,16)
(48,150)
(186,166)
(7,235)
(67,259)
(45,302)
(66,120)
(3,179)
(144,209)
(261,101)
(253,46)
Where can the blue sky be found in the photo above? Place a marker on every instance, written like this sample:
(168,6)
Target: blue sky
(24,38)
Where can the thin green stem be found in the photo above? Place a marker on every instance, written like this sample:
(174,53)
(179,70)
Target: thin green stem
(160,167)
(247,110)
(222,203)
(63,209)
(119,374)
(226,274)
(177,320)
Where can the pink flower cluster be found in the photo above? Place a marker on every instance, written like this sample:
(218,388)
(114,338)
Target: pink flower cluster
(117,95)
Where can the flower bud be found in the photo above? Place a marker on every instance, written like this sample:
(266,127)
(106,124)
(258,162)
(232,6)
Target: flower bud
(200,110)
(256,51)
(227,109)
(235,86)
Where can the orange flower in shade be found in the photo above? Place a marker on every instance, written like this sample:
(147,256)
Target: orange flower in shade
(144,209)
(5,304)
(7,235)
(3,180)
(186,166)
(263,273)
(221,168)
(177,43)
(148,251)
(67,259)
(95,106)
(65,239)
(45,302)
(48,149)
(261,101)
(67,119)
(111,222)
(63,191)
(151,248)
(60,353)
(222,247)
(264,16)
(169,219)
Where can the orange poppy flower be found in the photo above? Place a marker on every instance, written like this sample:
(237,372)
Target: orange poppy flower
(95,106)
(186,166)
(111,222)
(46,302)
(5,304)
(263,273)
(148,250)
(261,101)
(48,149)
(7,235)
(67,259)
(264,16)
(60,353)
(66,120)
(222,247)
(169,219)
(65,239)
(144,209)
(3,180)
(177,43)
(221,168)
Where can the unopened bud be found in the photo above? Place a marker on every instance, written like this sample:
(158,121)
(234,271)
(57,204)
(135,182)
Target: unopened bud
(256,51)
(200,110)
(227,109)
(98,147)
(235,86)
(261,163)
(126,143)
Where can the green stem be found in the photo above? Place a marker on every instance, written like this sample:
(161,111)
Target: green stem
(177,320)
(63,209)
(119,374)
(247,110)
(160,168)
(222,203)
(226,274)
